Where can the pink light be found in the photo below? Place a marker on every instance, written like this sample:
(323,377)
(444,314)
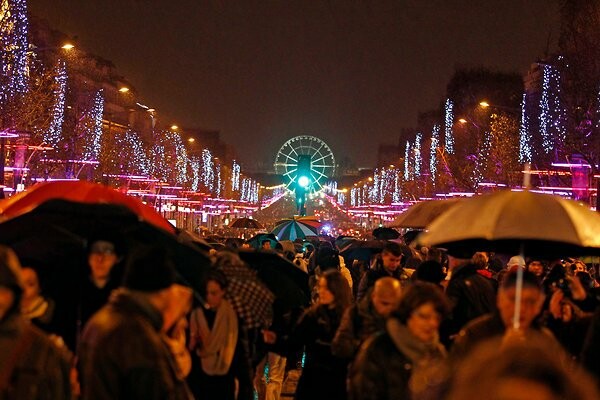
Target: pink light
(571,165)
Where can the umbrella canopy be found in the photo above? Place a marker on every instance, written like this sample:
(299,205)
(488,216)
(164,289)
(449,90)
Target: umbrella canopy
(256,240)
(517,222)
(246,223)
(57,233)
(421,214)
(82,192)
(361,250)
(250,298)
(288,283)
(296,228)
(385,233)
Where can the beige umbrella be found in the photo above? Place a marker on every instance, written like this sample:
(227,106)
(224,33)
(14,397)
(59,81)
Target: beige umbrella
(421,214)
(508,221)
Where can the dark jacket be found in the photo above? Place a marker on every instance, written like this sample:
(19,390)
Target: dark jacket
(590,355)
(372,275)
(487,327)
(471,295)
(324,375)
(122,355)
(382,371)
(43,369)
(359,322)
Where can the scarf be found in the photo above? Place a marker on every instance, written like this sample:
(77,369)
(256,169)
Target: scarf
(215,347)
(428,369)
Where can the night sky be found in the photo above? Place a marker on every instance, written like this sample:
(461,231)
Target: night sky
(351,72)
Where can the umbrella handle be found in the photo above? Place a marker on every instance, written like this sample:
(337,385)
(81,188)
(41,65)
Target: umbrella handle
(518,293)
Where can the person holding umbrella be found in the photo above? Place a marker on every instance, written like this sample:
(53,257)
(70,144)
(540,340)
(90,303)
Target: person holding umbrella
(500,323)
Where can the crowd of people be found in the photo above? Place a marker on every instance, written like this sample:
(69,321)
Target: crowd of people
(406,324)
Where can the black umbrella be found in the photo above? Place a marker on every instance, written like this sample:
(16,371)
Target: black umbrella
(57,232)
(384,233)
(287,282)
(246,223)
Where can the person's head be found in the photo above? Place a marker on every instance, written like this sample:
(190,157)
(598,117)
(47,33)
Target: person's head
(265,244)
(11,282)
(327,258)
(102,257)
(430,271)
(150,272)
(386,294)
(421,309)
(216,285)
(515,262)
(532,299)
(334,290)
(520,370)
(391,256)
(31,283)
(480,259)
(536,267)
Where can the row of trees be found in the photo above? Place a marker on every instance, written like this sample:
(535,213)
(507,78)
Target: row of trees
(551,116)
(62,116)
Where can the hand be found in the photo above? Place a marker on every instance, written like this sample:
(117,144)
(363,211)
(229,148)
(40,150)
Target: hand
(577,289)
(269,337)
(513,336)
(555,306)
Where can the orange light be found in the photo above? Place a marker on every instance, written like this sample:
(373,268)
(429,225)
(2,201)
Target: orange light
(484,104)
(124,89)
(462,121)
(68,46)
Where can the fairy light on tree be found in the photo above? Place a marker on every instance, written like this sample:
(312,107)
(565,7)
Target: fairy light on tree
(136,159)
(54,133)
(173,139)
(482,157)
(449,121)
(407,161)
(552,115)
(195,166)
(15,44)
(208,174)
(525,154)
(235,176)
(93,136)
(435,135)
(218,180)
(417,154)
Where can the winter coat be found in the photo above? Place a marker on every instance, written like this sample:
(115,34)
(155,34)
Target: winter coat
(122,355)
(393,364)
(471,295)
(42,370)
(359,322)
(487,327)
(324,375)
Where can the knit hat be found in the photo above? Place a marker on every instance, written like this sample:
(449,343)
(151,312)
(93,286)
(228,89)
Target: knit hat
(515,261)
(149,270)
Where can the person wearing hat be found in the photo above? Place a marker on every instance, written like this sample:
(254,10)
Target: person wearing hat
(30,363)
(122,354)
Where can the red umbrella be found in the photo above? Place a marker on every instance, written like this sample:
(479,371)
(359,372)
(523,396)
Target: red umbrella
(82,192)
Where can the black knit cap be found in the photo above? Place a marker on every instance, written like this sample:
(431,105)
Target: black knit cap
(149,269)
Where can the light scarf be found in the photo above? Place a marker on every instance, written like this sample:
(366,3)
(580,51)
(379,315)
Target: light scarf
(215,347)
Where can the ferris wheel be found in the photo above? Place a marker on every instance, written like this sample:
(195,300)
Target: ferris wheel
(305,161)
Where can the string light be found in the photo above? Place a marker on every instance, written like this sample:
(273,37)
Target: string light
(208,175)
(397,195)
(196,166)
(482,156)
(417,153)
(54,133)
(407,162)
(235,176)
(218,184)
(449,120)
(435,135)
(524,137)
(93,136)
(14,41)
(180,154)
(552,115)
